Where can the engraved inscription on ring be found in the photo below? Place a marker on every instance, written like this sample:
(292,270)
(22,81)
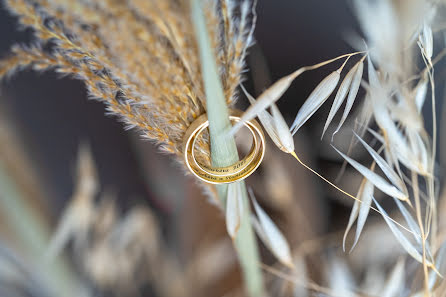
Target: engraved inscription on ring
(232,173)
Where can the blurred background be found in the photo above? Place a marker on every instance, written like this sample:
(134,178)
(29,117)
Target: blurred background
(45,121)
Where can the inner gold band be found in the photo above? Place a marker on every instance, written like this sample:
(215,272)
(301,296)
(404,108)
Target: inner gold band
(237,171)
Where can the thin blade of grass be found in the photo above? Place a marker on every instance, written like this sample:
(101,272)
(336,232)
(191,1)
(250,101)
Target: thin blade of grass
(373,75)
(440,261)
(275,126)
(390,154)
(319,95)
(383,118)
(269,96)
(33,234)
(340,96)
(421,92)
(418,148)
(365,116)
(266,119)
(413,226)
(274,92)
(434,279)
(282,130)
(399,236)
(385,167)
(354,213)
(224,152)
(364,209)
(425,41)
(375,134)
(233,217)
(223,149)
(354,88)
(274,238)
(377,180)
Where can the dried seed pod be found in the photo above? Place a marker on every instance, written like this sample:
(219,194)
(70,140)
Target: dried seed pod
(353,92)
(340,96)
(319,95)
(271,235)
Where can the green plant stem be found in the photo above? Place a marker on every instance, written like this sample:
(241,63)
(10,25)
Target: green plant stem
(224,153)
(33,235)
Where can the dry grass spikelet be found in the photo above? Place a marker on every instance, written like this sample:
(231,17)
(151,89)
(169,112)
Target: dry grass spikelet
(101,236)
(140,58)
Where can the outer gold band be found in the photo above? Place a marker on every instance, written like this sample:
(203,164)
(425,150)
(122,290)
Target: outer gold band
(219,175)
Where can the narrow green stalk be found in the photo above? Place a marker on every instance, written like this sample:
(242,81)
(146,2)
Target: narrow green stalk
(224,152)
(33,235)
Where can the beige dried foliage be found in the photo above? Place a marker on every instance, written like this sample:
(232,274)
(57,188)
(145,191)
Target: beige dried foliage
(270,234)
(394,105)
(212,263)
(131,241)
(79,215)
(116,252)
(163,99)
(148,76)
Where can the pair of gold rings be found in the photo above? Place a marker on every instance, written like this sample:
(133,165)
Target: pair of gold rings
(221,175)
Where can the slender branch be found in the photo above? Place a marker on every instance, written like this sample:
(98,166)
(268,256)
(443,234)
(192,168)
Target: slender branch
(224,153)
(33,234)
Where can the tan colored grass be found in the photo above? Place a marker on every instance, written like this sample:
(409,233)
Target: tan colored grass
(138,57)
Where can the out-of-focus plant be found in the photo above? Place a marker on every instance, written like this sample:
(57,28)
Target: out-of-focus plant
(161,76)
(151,77)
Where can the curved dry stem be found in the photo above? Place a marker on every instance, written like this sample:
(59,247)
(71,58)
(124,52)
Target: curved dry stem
(309,284)
(348,194)
(301,70)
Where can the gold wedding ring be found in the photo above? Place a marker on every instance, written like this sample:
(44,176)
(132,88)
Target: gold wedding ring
(222,175)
